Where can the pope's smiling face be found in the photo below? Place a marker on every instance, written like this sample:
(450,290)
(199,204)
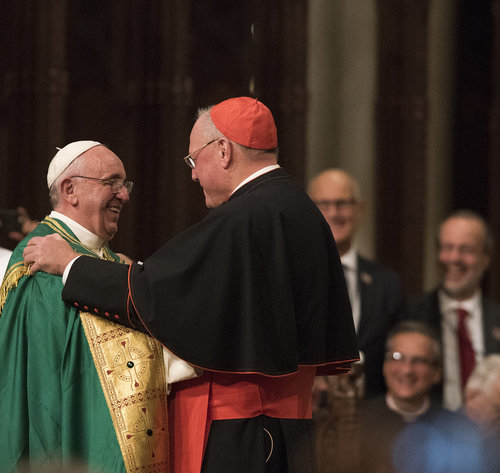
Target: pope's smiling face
(463,256)
(99,207)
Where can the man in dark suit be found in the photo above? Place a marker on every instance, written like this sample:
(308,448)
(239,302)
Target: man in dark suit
(457,308)
(374,291)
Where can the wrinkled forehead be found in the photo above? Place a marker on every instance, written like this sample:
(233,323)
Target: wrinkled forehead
(332,186)
(103,161)
(412,343)
(463,231)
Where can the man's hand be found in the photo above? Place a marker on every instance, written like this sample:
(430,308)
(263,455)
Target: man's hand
(50,254)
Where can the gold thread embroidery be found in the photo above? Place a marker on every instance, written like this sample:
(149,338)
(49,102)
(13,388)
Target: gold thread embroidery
(132,374)
(18,270)
(137,398)
(58,228)
(11,280)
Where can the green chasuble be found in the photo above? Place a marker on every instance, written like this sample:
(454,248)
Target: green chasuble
(66,382)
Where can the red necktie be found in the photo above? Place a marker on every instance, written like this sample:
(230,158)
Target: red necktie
(467,357)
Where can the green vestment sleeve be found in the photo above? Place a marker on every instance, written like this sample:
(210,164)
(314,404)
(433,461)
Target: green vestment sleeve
(52,408)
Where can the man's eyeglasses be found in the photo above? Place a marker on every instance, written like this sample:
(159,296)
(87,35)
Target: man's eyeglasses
(417,361)
(116,185)
(189,160)
(339,204)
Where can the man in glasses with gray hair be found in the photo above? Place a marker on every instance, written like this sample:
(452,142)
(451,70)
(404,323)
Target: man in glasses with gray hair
(403,430)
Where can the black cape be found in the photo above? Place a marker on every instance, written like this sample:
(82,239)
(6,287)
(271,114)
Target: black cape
(256,286)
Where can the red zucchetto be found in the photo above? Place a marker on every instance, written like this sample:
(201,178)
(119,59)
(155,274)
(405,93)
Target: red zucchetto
(247,122)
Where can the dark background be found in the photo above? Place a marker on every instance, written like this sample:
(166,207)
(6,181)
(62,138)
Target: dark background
(131,74)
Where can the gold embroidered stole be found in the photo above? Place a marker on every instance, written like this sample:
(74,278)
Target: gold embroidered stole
(132,374)
(131,371)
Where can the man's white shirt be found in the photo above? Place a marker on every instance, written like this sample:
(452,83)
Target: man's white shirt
(350,265)
(452,390)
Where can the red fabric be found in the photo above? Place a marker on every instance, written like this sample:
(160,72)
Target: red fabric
(467,356)
(188,425)
(247,122)
(216,396)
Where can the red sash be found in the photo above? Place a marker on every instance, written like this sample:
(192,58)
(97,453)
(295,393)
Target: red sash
(216,396)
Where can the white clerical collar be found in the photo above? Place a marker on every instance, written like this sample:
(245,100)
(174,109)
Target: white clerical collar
(94,242)
(407,415)
(255,175)
(350,259)
(448,303)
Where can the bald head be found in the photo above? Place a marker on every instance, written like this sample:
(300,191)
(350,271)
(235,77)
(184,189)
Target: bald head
(334,177)
(338,197)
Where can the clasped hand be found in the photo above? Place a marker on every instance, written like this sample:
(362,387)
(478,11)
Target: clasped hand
(49,253)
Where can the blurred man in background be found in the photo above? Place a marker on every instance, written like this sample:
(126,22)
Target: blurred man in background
(468,323)
(374,291)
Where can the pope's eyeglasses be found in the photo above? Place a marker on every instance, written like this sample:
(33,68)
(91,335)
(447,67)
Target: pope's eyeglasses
(116,185)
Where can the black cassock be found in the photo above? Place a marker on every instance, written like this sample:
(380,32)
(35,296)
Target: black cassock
(256,286)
